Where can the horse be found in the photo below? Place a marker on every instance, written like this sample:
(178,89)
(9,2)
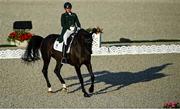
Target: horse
(80,54)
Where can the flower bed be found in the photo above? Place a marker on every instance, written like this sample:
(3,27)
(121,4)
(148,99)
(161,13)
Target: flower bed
(19,38)
(171,105)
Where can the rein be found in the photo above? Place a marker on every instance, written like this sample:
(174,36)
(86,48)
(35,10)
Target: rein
(84,37)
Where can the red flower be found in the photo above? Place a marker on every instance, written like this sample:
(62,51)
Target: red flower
(29,35)
(13,34)
(21,36)
(171,105)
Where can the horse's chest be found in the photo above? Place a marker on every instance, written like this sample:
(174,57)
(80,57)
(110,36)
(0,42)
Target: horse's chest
(80,59)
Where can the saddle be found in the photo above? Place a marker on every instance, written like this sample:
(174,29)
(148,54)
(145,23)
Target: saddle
(58,44)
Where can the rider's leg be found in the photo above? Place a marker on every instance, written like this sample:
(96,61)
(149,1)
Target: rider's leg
(65,45)
(64,59)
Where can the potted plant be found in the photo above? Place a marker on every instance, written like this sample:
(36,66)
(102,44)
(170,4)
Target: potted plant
(20,35)
(171,105)
(19,38)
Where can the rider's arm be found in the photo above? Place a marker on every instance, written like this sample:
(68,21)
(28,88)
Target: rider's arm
(77,21)
(63,22)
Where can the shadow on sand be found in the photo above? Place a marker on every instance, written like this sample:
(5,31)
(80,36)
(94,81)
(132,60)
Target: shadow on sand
(115,80)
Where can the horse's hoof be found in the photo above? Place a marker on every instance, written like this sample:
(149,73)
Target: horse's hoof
(65,89)
(91,89)
(86,95)
(29,60)
(49,92)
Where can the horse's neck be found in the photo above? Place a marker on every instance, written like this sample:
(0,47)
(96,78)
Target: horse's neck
(77,46)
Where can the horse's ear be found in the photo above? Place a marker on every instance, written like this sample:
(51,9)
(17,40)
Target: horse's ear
(94,30)
(99,30)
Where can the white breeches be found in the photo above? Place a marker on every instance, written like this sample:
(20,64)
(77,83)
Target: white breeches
(66,35)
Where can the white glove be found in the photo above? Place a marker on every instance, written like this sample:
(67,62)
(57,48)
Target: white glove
(72,28)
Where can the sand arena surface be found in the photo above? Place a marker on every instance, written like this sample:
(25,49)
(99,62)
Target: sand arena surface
(134,19)
(121,81)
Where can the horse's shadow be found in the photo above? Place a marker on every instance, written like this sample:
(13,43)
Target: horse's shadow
(116,80)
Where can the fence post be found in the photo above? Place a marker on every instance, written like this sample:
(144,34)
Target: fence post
(96,40)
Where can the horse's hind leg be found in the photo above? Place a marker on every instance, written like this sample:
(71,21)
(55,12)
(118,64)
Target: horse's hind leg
(45,73)
(36,55)
(57,72)
(89,67)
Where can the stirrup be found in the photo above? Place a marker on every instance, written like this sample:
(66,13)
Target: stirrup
(64,60)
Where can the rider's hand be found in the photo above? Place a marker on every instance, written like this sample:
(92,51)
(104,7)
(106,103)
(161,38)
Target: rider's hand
(72,28)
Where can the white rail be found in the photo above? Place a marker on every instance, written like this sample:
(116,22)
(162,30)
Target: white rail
(102,51)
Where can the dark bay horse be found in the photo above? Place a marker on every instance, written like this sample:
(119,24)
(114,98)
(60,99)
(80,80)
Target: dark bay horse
(80,53)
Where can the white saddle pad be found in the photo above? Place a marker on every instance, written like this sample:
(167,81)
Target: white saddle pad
(59,46)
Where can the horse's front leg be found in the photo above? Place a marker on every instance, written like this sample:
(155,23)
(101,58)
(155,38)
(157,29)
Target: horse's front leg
(57,72)
(89,67)
(45,73)
(78,71)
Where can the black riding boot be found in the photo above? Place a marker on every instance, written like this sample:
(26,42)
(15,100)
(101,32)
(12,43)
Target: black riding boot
(64,59)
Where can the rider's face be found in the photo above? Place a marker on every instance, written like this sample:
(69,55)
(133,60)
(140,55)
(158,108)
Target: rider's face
(68,10)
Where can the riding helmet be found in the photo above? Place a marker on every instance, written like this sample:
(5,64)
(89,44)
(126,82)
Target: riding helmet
(67,5)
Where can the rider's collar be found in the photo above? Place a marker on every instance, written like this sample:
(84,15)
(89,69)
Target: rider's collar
(70,13)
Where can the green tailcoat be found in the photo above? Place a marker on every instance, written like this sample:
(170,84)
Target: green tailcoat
(68,20)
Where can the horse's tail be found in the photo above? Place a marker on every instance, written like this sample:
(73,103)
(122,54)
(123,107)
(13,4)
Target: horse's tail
(32,50)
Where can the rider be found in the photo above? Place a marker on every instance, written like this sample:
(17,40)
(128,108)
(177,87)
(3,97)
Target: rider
(69,21)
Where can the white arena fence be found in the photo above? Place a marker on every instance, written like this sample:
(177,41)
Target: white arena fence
(99,50)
